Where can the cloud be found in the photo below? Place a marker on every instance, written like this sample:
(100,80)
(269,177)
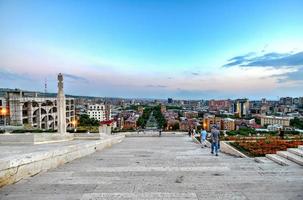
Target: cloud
(272,59)
(298,75)
(238,60)
(7,75)
(243,57)
(192,72)
(292,61)
(202,94)
(156,86)
(295,76)
(277,60)
(75,77)
(195,73)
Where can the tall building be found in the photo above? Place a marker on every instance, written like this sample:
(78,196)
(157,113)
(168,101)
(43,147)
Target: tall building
(286,101)
(28,108)
(263,101)
(241,107)
(97,111)
(108,111)
(216,105)
(170,100)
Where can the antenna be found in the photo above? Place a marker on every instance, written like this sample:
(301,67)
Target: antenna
(45,86)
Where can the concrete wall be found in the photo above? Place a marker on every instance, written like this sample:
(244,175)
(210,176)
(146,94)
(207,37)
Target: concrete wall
(13,169)
(52,137)
(34,138)
(26,138)
(228,149)
(105,129)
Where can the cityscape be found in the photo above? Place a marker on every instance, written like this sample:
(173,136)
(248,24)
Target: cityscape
(151,99)
(37,110)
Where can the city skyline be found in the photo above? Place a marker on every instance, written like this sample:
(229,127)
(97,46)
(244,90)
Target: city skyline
(154,49)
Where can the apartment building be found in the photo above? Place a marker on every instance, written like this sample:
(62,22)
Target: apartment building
(274,120)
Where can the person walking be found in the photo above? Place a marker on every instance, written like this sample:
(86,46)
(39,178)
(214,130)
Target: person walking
(214,140)
(203,138)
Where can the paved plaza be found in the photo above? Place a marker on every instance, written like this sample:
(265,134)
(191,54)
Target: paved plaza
(161,168)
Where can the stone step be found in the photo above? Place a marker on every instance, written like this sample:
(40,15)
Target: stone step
(291,156)
(279,160)
(264,160)
(298,152)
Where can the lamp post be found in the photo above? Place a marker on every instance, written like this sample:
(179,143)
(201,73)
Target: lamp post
(74,122)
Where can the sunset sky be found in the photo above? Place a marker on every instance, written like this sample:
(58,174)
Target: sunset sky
(183,49)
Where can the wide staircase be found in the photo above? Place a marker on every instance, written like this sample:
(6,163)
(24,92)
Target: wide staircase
(291,157)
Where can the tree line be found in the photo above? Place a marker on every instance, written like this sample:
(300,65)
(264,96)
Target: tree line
(156,110)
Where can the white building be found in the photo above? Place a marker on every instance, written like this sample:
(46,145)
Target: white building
(274,127)
(273,120)
(98,111)
(28,108)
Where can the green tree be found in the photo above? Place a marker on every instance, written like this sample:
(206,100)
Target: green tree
(258,121)
(85,120)
(159,117)
(242,131)
(144,117)
(297,123)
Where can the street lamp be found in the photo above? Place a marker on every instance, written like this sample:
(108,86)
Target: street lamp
(74,123)
(204,126)
(3,111)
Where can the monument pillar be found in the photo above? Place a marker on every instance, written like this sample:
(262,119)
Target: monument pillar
(61,109)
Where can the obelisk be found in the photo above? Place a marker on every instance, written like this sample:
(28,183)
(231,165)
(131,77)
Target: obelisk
(61,109)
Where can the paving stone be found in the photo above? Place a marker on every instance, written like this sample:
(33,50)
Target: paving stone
(161,168)
(141,196)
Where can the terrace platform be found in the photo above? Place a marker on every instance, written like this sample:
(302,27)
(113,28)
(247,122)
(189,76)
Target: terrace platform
(153,168)
(21,161)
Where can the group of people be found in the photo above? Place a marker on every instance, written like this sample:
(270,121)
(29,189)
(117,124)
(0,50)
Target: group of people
(214,136)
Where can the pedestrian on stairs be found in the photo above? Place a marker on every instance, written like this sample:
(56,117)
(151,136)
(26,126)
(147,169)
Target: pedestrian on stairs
(214,140)
(203,138)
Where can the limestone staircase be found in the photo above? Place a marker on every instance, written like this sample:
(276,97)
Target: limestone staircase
(291,157)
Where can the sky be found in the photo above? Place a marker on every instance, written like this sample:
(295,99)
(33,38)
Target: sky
(184,49)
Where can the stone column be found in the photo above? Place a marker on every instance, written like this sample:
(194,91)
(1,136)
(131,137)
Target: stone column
(39,118)
(61,109)
(30,113)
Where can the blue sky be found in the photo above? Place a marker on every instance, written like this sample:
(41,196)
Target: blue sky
(180,49)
